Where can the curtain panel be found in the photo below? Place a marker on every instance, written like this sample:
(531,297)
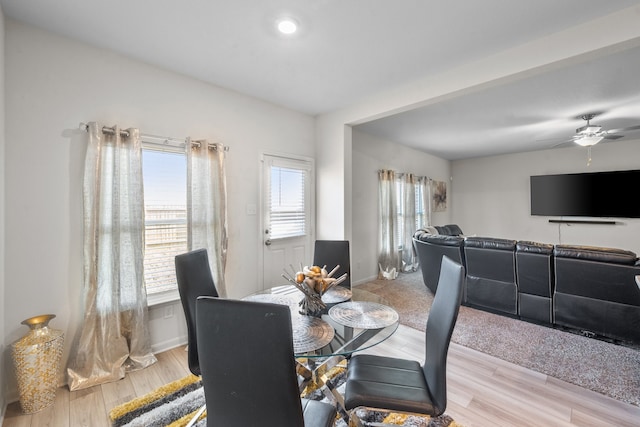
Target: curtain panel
(389,256)
(404,207)
(423,199)
(207,206)
(408,228)
(114,337)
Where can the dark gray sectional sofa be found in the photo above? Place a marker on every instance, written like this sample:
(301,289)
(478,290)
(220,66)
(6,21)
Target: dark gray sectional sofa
(591,290)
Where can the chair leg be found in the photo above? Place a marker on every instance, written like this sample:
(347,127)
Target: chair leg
(196,416)
(355,421)
(315,376)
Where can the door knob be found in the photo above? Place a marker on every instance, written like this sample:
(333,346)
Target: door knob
(267,242)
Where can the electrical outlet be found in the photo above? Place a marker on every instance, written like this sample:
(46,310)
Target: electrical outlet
(168,311)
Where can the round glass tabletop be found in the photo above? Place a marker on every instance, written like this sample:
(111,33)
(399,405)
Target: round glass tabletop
(357,322)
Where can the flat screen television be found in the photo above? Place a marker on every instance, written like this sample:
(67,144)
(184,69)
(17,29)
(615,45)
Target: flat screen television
(597,194)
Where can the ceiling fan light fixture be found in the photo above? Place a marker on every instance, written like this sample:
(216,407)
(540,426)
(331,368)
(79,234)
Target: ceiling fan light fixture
(588,140)
(589,129)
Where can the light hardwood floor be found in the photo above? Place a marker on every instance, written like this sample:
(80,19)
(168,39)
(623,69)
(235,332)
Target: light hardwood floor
(482,391)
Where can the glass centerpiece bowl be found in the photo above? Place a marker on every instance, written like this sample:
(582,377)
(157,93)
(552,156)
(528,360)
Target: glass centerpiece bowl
(313,282)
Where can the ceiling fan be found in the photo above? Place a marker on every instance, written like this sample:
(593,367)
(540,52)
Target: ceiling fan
(590,134)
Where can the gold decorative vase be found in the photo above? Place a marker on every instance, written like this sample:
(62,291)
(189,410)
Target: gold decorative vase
(36,358)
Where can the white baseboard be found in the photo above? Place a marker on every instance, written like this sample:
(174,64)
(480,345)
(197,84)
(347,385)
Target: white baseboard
(168,344)
(367,280)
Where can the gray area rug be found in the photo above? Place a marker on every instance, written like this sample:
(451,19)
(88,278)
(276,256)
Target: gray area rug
(606,368)
(175,405)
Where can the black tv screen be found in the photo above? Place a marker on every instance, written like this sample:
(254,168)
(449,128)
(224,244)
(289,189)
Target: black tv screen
(598,194)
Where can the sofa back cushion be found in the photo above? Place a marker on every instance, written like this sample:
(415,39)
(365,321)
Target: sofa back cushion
(594,253)
(491,273)
(449,230)
(430,248)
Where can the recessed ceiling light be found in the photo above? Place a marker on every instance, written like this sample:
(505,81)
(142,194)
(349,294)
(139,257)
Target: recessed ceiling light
(287,26)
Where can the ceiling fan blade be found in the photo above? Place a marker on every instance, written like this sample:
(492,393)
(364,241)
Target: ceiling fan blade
(613,137)
(629,129)
(551,139)
(565,143)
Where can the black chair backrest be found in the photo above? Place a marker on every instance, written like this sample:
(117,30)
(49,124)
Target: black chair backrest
(332,253)
(194,279)
(440,323)
(247,363)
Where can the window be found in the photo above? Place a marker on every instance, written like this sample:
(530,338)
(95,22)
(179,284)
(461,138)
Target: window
(398,228)
(165,205)
(422,197)
(288,216)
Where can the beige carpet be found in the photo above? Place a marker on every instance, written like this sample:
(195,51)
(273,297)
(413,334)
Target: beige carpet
(600,366)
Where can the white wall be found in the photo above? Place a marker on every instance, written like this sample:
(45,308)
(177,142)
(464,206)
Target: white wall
(3,308)
(487,196)
(491,195)
(593,38)
(53,84)
(369,155)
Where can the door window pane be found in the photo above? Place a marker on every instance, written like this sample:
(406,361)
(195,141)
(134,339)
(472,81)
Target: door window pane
(287,202)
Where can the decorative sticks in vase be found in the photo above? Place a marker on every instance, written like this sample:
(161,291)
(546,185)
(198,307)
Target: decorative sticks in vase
(313,282)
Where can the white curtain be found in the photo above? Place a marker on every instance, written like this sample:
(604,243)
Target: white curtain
(404,207)
(423,199)
(114,337)
(408,228)
(207,205)
(389,256)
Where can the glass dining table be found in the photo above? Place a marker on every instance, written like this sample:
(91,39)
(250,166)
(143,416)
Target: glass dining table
(354,320)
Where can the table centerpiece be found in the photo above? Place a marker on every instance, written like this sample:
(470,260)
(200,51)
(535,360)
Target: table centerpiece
(313,282)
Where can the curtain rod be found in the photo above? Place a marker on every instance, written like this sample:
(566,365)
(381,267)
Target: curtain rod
(402,174)
(166,140)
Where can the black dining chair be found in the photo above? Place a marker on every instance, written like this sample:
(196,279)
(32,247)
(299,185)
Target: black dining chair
(248,366)
(332,253)
(406,385)
(194,278)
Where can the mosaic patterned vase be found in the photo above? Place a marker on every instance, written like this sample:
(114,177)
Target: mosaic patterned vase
(36,357)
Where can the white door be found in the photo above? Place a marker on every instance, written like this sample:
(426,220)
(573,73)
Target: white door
(287,216)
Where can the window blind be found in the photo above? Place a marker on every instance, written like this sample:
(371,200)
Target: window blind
(287,202)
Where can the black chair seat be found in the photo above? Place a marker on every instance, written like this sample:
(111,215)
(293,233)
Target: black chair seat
(402,384)
(317,414)
(384,382)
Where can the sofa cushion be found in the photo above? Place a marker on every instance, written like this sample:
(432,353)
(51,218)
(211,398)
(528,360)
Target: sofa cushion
(454,230)
(534,268)
(604,281)
(593,253)
(534,247)
(430,249)
(425,230)
(449,229)
(439,239)
(490,243)
(606,318)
